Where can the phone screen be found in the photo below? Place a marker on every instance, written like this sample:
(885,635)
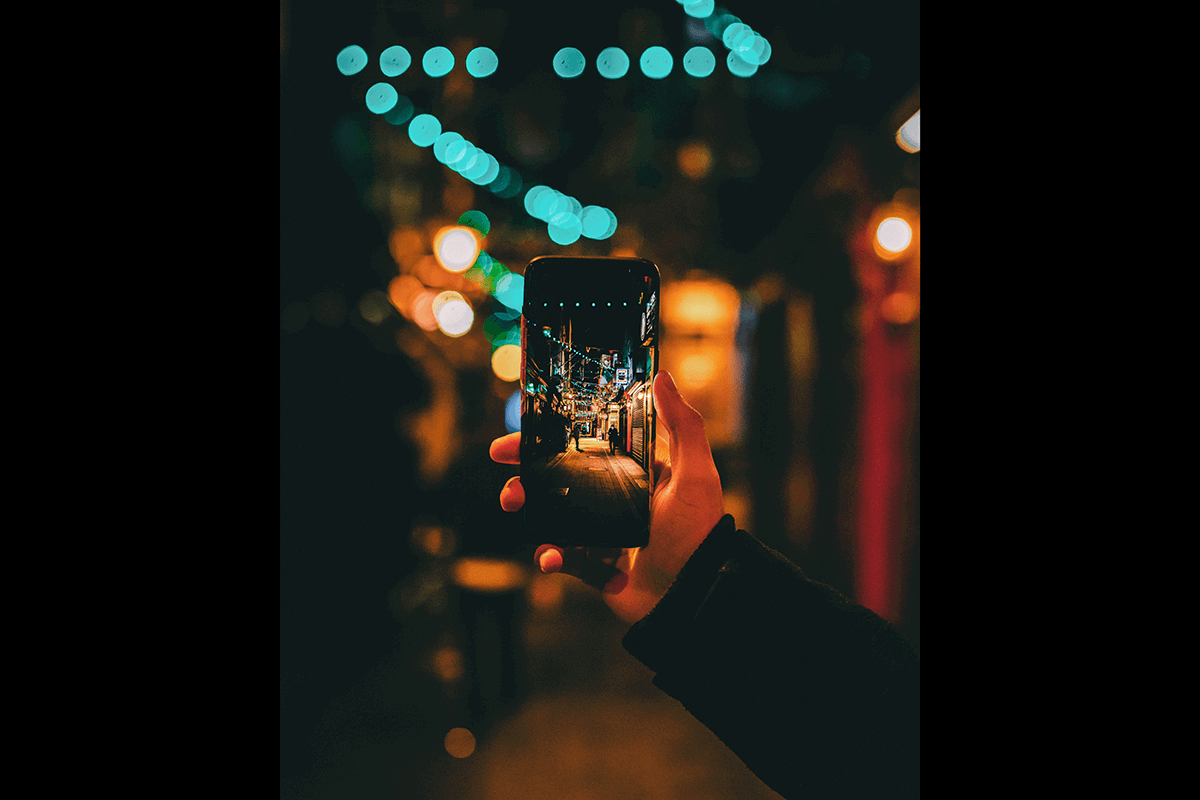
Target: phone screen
(589,340)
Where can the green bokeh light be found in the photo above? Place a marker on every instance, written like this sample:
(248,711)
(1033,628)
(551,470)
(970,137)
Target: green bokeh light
(656,62)
(424,130)
(481,62)
(699,62)
(394,61)
(701,9)
(612,63)
(381,98)
(479,221)
(437,62)
(351,60)
(569,63)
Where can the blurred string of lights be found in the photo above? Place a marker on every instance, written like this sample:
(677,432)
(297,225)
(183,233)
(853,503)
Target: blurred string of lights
(565,217)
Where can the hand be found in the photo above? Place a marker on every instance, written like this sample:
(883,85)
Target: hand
(685,505)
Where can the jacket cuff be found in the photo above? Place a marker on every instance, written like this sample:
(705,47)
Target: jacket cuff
(663,635)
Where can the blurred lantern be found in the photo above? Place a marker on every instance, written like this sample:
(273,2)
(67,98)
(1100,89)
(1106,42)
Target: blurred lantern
(456,247)
(699,327)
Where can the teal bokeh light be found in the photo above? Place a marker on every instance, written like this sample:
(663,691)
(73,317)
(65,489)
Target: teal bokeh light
(394,61)
(612,63)
(738,66)
(510,290)
(401,113)
(481,62)
(656,62)
(612,223)
(461,156)
(476,171)
(501,181)
(594,222)
(443,142)
(381,98)
(437,62)
(548,204)
(699,62)
(717,23)
(565,229)
(701,9)
(531,198)
(513,187)
(489,173)
(731,32)
(351,60)
(477,220)
(762,49)
(569,63)
(424,130)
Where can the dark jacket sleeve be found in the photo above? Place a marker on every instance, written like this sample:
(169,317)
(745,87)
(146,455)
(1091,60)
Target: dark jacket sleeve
(817,695)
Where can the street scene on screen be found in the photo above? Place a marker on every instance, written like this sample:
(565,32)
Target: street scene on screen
(588,412)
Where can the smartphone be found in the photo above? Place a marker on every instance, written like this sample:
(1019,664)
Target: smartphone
(589,354)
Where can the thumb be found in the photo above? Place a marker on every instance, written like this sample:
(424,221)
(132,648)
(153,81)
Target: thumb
(684,424)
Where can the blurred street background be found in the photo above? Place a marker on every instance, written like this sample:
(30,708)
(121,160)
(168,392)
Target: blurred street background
(420,654)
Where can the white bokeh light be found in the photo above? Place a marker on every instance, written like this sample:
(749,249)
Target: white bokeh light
(894,234)
(455,317)
(457,249)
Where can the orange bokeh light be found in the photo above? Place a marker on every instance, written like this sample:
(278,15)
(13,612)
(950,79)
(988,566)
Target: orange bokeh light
(421,310)
(506,362)
(695,160)
(900,308)
(895,231)
(406,245)
(401,291)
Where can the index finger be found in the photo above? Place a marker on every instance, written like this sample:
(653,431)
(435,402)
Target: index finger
(507,449)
